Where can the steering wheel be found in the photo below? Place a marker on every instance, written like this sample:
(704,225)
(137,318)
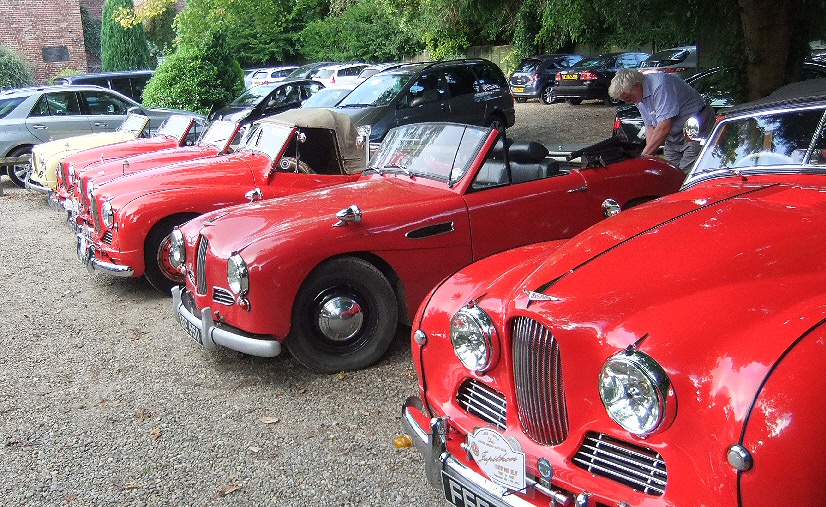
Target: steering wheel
(763,158)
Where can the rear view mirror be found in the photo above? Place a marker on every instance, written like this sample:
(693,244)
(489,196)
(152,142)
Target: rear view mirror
(691,129)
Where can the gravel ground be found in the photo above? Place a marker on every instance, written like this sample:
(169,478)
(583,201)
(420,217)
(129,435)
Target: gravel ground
(105,402)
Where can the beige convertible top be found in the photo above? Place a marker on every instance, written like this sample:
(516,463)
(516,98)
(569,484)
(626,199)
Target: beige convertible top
(313,117)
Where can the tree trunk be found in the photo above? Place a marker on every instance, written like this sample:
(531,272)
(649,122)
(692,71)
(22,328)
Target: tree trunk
(767,43)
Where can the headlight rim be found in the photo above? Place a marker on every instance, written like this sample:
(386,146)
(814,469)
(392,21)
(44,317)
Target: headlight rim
(177,249)
(107,214)
(242,284)
(659,382)
(489,335)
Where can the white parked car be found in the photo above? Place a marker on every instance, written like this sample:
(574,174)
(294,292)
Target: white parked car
(339,74)
(268,75)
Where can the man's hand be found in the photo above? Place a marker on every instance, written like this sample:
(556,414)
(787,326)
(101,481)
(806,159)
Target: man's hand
(655,136)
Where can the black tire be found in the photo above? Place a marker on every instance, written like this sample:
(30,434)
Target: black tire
(17,172)
(575,102)
(352,288)
(548,95)
(610,101)
(521,100)
(157,269)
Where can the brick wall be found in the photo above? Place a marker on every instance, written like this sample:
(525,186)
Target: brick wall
(47,34)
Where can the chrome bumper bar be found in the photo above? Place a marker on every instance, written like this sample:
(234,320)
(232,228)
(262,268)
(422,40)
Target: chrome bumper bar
(86,254)
(211,335)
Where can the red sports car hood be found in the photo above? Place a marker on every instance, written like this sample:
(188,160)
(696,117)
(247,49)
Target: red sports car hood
(192,173)
(107,171)
(741,266)
(83,158)
(380,198)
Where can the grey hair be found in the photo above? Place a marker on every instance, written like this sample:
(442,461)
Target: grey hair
(624,81)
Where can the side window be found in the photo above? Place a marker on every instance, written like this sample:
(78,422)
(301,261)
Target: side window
(488,78)
(104,103)
(459,80)
(423,90)
(56,104)
(122,85)
(308,90)
(138,84)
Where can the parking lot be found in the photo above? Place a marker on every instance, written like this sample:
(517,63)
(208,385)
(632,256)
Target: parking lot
(105,401)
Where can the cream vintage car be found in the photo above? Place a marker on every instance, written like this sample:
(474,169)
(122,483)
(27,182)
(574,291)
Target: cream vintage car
(46,156)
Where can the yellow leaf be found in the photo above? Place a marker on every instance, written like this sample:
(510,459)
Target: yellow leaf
(269,420)
(402,442)
(156,434)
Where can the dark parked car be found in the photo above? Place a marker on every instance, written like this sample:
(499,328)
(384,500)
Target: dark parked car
(681,61)
(307,71)
(590,78)
(535,76)
(473,91)
(128,82)
(266,100)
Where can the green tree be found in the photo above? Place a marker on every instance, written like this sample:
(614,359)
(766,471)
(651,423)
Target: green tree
(366,30)
(14,71)
(199,76)
(122,47)
(91,32)
(160,34)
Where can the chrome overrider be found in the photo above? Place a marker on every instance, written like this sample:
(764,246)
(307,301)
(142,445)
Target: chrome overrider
(430,442)
(210,335)
(86,254)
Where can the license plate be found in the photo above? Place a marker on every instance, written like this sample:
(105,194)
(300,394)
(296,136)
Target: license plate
(518,89)
(570,76)
(465,495)
(191,329)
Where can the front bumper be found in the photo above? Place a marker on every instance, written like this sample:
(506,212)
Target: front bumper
(203,330)
(444,471)
(87,255)
(582,90)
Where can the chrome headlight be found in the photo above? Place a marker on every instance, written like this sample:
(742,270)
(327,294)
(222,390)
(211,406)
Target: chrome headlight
(472,333)
(107,214)
(177,249)
(238,276)
(635,391)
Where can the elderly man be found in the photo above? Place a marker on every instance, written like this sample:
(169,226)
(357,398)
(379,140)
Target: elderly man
(665,102)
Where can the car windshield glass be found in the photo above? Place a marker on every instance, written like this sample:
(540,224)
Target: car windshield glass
(442,152)
(253,96)
(324,73)
(785,141)
(8,105)
(268,138)
(175,126)
(529,65)
(218,134)
(328,97)
(133,123)
(596,63)
(377,91)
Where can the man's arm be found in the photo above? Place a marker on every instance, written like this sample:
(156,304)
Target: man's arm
(655,136)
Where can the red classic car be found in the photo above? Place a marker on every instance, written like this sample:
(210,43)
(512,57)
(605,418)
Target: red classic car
(216,140)
(331,272)
(174,132)
(132,216)
(668,356)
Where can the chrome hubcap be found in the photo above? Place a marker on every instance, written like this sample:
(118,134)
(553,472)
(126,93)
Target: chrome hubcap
(340,318)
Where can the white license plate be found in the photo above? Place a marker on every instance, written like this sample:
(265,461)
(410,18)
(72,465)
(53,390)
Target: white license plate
(462,495)
(191,329)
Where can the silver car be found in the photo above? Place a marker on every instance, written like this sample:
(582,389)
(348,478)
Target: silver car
(29,116)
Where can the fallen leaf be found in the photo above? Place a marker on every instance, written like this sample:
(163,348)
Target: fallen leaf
(131,485)
(225,489)
(341,375)
(402,442)
(269,420)
(142,414)
(156,434)
(253,448)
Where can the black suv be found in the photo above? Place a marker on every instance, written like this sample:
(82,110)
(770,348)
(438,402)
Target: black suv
(535,76)
(473,91)
(128,82)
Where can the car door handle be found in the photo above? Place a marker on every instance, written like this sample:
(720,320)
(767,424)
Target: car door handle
(583,188)
(39,127)
(101,124)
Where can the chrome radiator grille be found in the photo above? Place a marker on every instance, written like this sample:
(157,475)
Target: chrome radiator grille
(483,402)
(537,373)
(107,237)
(631,465)
(200,266)
(222,296)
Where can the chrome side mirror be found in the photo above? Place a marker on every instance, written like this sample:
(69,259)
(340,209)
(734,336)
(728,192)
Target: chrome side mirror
(363,141)
(254,195)
(348,215)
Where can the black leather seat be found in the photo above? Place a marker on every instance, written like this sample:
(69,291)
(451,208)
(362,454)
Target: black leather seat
(529,161)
